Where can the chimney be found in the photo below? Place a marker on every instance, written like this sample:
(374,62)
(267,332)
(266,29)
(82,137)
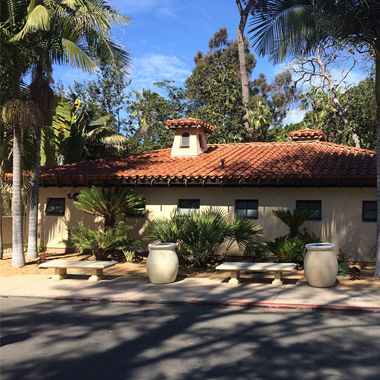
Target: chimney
(190,137)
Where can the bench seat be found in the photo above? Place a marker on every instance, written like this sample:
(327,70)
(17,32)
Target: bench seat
(277,268)
(61,266)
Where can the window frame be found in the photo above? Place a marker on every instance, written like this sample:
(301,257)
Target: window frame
(183,136)
(368,219)
(188,208)
(247,208)
(49,200)
(311,218)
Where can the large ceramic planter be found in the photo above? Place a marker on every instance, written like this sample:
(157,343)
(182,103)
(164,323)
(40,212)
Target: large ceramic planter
(321,265)
(162,263)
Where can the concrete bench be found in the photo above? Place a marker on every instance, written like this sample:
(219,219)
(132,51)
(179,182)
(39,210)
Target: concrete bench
(277,268)
(61,266)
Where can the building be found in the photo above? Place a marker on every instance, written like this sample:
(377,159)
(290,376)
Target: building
(338,182)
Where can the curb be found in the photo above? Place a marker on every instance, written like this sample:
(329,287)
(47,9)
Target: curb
(258,305)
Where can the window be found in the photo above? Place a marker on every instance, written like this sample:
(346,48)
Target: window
(185,140)
(369,211)
(55,206)
(137,212)
(186,205)
(200,141)
(315,206)
(248,208)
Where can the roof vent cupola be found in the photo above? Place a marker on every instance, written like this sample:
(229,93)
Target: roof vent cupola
(307,135)
(190,137)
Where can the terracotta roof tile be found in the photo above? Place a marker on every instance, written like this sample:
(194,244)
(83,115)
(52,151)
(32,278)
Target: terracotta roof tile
(254,160)
(307,134)
(183,123)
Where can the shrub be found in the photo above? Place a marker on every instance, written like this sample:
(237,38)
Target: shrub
(293,220)
(292,249)
(109,204)
(102,242)
(199,235)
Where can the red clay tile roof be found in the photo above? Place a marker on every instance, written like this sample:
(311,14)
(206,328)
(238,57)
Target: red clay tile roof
(242,161)
(307,134)
(182,123)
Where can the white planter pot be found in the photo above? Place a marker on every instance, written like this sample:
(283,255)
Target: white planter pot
(162,263)
(320,265)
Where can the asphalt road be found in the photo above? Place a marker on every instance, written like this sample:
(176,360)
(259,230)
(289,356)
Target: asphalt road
(71,340)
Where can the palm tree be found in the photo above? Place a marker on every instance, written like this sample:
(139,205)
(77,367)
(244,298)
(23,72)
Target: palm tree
(74,33)
(291,27)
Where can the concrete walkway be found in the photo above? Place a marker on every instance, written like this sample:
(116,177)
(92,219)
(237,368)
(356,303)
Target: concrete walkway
(294,294)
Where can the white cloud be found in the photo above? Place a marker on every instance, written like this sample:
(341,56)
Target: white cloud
(294,116)
(69,74)
(155,68)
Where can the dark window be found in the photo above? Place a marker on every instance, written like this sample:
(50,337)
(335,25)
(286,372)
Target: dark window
(248,208)
(186,205)
(138,212)
(185,140)
(55,206)
(369,211)
(315,206)
(200,141)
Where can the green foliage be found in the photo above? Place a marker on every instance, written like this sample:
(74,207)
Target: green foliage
(287,250)
(199,235)
(102,242)
(148,114)
(129,256)
(257,251)
(343,269)
(293,220)
(109,204)
(269,105)
(292,249)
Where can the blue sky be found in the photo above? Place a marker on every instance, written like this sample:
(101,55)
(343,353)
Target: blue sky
(165,35)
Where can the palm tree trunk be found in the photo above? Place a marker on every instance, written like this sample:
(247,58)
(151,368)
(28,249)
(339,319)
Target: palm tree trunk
(34,201)
(377,90)
(18,258)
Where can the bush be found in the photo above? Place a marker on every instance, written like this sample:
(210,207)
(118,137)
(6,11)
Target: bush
(103,242)
(292,249)
(199,235)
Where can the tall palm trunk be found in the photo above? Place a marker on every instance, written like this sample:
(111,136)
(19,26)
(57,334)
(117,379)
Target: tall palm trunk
(34,200)
(377,90)
(18,258)
(37,94)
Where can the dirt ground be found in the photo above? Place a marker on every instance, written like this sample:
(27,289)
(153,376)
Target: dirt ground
(138,269)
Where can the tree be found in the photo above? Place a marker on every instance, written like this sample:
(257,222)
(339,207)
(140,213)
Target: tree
(291,27)
(148,114)
(214,87)
(270,101)
(55,27)
(317,68)
(244,77)
(109,204)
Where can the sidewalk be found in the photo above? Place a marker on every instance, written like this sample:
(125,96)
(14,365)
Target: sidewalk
(294,294)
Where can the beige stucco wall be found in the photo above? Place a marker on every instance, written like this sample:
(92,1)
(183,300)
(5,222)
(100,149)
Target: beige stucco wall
(341,222)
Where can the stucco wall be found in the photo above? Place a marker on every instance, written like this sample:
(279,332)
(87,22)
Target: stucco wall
(341,222)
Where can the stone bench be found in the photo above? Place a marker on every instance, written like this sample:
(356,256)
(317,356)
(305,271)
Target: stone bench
(61,266)
(277,268)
